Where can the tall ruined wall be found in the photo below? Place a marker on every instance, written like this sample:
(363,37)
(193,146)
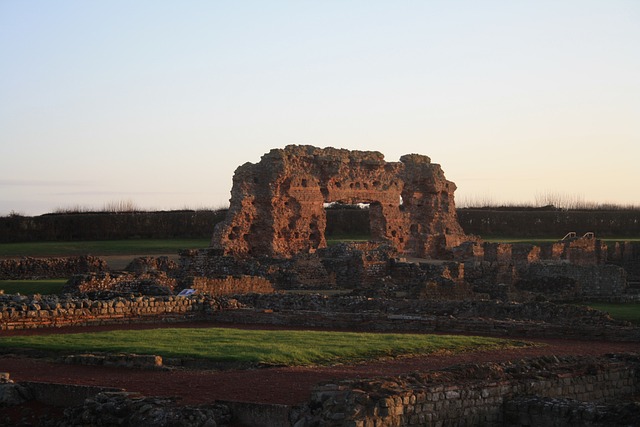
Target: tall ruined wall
(277,205)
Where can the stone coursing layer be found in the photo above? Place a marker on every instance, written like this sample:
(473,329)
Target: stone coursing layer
(469,395)
(142,265)
(229,285)
(50,268)
(149,283)
(565,412)
(23,312)
(533,319)
(117,408)
(277,205)
(567,270)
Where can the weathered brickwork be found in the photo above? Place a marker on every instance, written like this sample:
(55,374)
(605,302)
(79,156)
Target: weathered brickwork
(277,205)
(49,268)
(149,283)
(571,269)
(23,312)
(532,319)
(230,285)
(469,395)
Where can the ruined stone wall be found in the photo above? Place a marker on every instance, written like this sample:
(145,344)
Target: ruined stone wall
(22,312)
(49,268)
(626,255)
(348,265)
(230,285)
(150,283)
(304,270)
(528,411)
(492,318)
(277,205)
(592,281)
(430,280)
(356,265)
(467,395)
(575,268)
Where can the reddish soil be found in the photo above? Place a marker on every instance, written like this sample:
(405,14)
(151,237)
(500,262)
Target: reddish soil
(291,385)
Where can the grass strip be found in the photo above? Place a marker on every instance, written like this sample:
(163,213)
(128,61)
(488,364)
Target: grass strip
(620,311)
(256,346)
(29,287)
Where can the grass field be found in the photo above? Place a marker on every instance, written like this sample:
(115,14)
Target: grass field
(101,247)
(251,346)
(623,311)
(29,287)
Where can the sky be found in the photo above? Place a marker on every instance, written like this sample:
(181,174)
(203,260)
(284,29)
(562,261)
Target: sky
(156,103)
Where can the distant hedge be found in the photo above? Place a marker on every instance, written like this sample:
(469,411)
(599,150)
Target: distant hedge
(199,224)
(109,226)
(553,223)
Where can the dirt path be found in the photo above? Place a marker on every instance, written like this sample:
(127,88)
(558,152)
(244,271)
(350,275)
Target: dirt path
(290,385)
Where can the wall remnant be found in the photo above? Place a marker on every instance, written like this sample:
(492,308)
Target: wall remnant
(277,205)
(28,268)
(472,394)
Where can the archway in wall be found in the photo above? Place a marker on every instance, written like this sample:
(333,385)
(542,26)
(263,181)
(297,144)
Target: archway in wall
(347,222)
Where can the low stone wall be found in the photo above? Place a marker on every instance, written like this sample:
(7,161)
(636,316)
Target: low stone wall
(105,407)
(592,281)
(564,412)
(543,320)
(627,256)
(120,360)
(22,312)
(50,268)
(230,285)
(148,283)
(468,395)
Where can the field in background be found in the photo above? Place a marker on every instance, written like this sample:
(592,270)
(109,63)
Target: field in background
(256,346)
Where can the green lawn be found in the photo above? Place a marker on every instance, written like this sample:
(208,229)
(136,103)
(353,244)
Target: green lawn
(101,247)
(29,287)
(251,346)
(622,311)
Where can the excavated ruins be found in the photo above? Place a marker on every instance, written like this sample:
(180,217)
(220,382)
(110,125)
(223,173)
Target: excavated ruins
(419,272)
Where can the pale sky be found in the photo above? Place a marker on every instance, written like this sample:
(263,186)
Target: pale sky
(158,102)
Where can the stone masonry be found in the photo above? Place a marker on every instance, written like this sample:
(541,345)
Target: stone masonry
(277,205)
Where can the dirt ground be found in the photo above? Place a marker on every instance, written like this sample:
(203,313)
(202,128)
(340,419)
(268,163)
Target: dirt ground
(282,385)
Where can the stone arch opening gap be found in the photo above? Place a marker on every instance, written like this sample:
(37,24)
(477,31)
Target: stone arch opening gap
(347,222)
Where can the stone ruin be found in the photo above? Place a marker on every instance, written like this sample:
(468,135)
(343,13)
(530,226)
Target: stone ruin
(276,222)
(277,205)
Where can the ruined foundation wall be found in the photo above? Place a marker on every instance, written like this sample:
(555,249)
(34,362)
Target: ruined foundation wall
(21,312)
(232,285)
(49,268)
(471,395)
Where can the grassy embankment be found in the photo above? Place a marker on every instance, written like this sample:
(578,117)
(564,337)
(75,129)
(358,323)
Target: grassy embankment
(251,346)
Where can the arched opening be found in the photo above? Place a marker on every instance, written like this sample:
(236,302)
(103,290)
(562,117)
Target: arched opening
(347,222)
